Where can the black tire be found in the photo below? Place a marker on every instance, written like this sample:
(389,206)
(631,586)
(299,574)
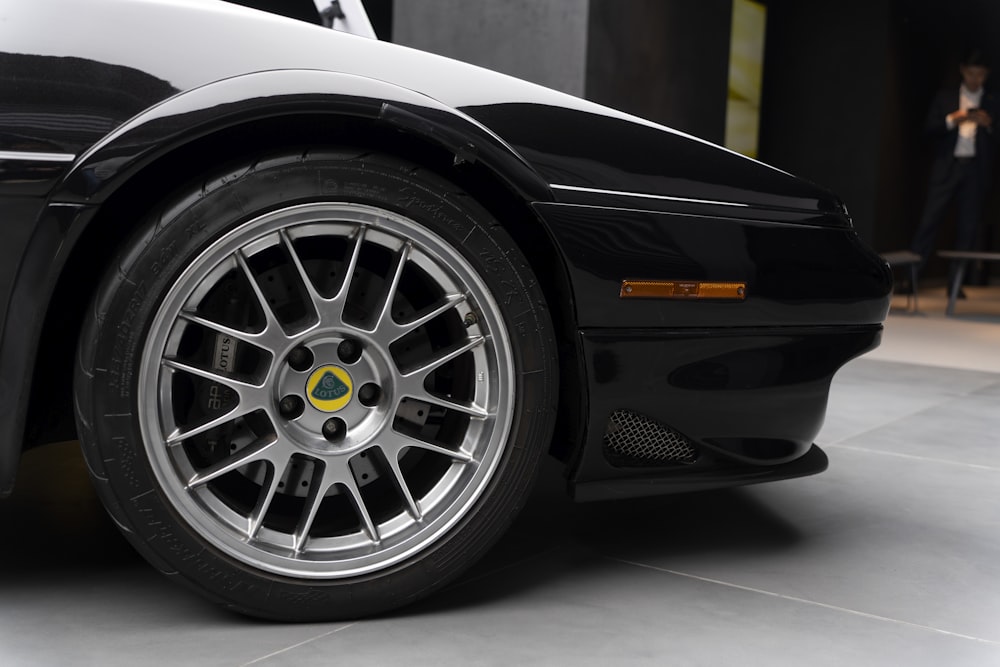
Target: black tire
(151,374)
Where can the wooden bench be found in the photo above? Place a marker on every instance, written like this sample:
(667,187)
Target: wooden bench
(898,259)
(962,259)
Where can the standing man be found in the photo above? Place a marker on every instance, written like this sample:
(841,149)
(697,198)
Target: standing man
(960,122)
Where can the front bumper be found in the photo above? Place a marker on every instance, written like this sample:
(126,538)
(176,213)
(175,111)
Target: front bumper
(744,404)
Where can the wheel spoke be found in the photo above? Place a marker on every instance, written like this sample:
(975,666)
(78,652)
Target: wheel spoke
(450,301)
(264,500)
(385,309)
(473,410)
(348,482)
(440,360)
(392,458)
(271,322)
(352,266)
(262,339)
(318,302)
(391,331)
(318,487)
(179,435)
(239,386)
(458,455)
(394,447)
(257,451)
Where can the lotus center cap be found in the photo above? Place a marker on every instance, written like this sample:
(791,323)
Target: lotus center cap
(329,388)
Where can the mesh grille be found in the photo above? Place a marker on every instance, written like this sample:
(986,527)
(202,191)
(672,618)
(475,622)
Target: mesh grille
(632,439)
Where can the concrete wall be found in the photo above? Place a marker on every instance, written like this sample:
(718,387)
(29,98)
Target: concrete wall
(544,41)
(665,60)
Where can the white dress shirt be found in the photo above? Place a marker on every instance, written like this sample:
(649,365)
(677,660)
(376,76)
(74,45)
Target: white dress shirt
(966,144)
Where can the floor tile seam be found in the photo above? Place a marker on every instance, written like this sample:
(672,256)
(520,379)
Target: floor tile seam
(913,457)
(947,367)
(942,396)
(950,397)
(872,429)
(990,387)
(806,601)
(909,415)
(298,645)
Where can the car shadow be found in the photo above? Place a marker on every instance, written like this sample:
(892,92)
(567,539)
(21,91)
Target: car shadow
(555,538)
(58,532)
(54,521)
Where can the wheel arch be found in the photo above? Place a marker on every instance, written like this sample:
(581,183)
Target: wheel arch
(95,203)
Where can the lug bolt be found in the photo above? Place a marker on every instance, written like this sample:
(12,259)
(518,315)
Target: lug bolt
(349,351)
(334,429)
(301,359)
(369,394)
(291,406)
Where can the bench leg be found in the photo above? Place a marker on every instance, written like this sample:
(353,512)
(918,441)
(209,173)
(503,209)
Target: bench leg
(913,288)
(956,287)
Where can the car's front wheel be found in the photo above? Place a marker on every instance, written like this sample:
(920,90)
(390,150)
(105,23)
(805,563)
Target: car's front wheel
(316,386)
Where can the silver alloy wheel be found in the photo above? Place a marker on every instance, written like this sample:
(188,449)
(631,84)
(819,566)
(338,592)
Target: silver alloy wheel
(326,390)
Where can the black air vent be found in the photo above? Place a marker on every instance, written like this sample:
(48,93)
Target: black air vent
(634,440)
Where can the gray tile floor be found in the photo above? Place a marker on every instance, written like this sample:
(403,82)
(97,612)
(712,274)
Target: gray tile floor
(891,557)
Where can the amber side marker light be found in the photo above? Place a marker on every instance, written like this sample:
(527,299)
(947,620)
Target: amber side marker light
(681,289)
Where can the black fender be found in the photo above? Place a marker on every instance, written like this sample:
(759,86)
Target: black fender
(251,97)
(108,165)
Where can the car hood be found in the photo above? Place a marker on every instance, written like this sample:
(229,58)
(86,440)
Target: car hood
(178,45)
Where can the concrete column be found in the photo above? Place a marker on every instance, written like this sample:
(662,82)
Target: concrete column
(822,109)
(665,60)
(544,41)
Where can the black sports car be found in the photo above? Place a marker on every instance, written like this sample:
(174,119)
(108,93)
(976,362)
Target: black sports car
(327,300)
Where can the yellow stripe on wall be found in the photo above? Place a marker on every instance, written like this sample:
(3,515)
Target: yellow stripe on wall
(746,74)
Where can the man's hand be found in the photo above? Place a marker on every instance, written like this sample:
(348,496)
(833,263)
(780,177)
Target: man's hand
(957,117)
(980,117)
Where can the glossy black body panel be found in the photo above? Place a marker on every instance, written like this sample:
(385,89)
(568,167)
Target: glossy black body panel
(578,147)
(94,100)
(65,104)
(795,273)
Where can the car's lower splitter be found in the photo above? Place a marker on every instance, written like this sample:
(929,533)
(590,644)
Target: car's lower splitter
(702,479)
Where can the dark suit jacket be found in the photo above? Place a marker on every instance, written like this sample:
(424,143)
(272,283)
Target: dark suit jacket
(946,101)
